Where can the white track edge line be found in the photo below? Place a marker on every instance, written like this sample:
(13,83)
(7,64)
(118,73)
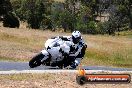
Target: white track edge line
(60,71)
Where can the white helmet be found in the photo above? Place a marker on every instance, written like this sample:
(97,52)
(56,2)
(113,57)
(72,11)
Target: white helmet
(76,36)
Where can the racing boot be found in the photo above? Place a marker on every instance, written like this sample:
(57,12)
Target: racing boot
(74,64)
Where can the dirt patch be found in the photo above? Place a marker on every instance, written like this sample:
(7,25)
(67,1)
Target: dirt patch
(56,80)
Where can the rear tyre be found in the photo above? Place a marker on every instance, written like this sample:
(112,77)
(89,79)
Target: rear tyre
(36,60)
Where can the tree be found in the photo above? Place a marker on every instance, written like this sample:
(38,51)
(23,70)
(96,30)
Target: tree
(124,9)
(93,5)
(6,14)
(73,7)
(36,14)
(10,20)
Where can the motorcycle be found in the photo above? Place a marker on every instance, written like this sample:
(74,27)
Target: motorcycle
(56,53)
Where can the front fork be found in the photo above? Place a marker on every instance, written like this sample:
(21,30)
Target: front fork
(46,55)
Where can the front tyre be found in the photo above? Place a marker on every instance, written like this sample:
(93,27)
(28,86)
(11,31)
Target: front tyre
(36,60)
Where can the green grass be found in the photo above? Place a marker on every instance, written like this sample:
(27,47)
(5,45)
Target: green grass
(125,33)
(102,58)
(108,50)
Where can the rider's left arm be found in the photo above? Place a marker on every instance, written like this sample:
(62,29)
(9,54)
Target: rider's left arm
(78,51)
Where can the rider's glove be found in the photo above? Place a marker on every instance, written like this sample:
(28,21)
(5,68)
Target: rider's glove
(60,37)
(48,48)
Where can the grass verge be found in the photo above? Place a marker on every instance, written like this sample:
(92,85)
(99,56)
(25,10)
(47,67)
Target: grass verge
(23,44)
(12,59)
(93,57)
(20,77)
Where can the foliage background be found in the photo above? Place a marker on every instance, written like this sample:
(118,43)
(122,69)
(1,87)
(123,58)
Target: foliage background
(88,16)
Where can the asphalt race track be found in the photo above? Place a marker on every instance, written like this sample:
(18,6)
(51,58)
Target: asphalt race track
(8,66)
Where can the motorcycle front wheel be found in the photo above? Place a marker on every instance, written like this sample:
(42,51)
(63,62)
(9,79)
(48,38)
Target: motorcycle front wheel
(36,60)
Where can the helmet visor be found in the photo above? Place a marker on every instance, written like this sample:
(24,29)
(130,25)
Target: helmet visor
(76,40)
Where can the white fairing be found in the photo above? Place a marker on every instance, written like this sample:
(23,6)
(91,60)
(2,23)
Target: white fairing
(51,42)
(55,54)
(65,46)
(55,46)
(45,53)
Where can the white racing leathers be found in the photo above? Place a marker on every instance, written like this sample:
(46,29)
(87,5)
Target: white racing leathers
(76,50)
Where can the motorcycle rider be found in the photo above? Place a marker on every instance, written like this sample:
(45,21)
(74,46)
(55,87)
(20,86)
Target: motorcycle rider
(61,51)
(77,50)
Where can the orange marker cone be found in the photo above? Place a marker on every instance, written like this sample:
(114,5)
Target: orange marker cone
(81,70)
